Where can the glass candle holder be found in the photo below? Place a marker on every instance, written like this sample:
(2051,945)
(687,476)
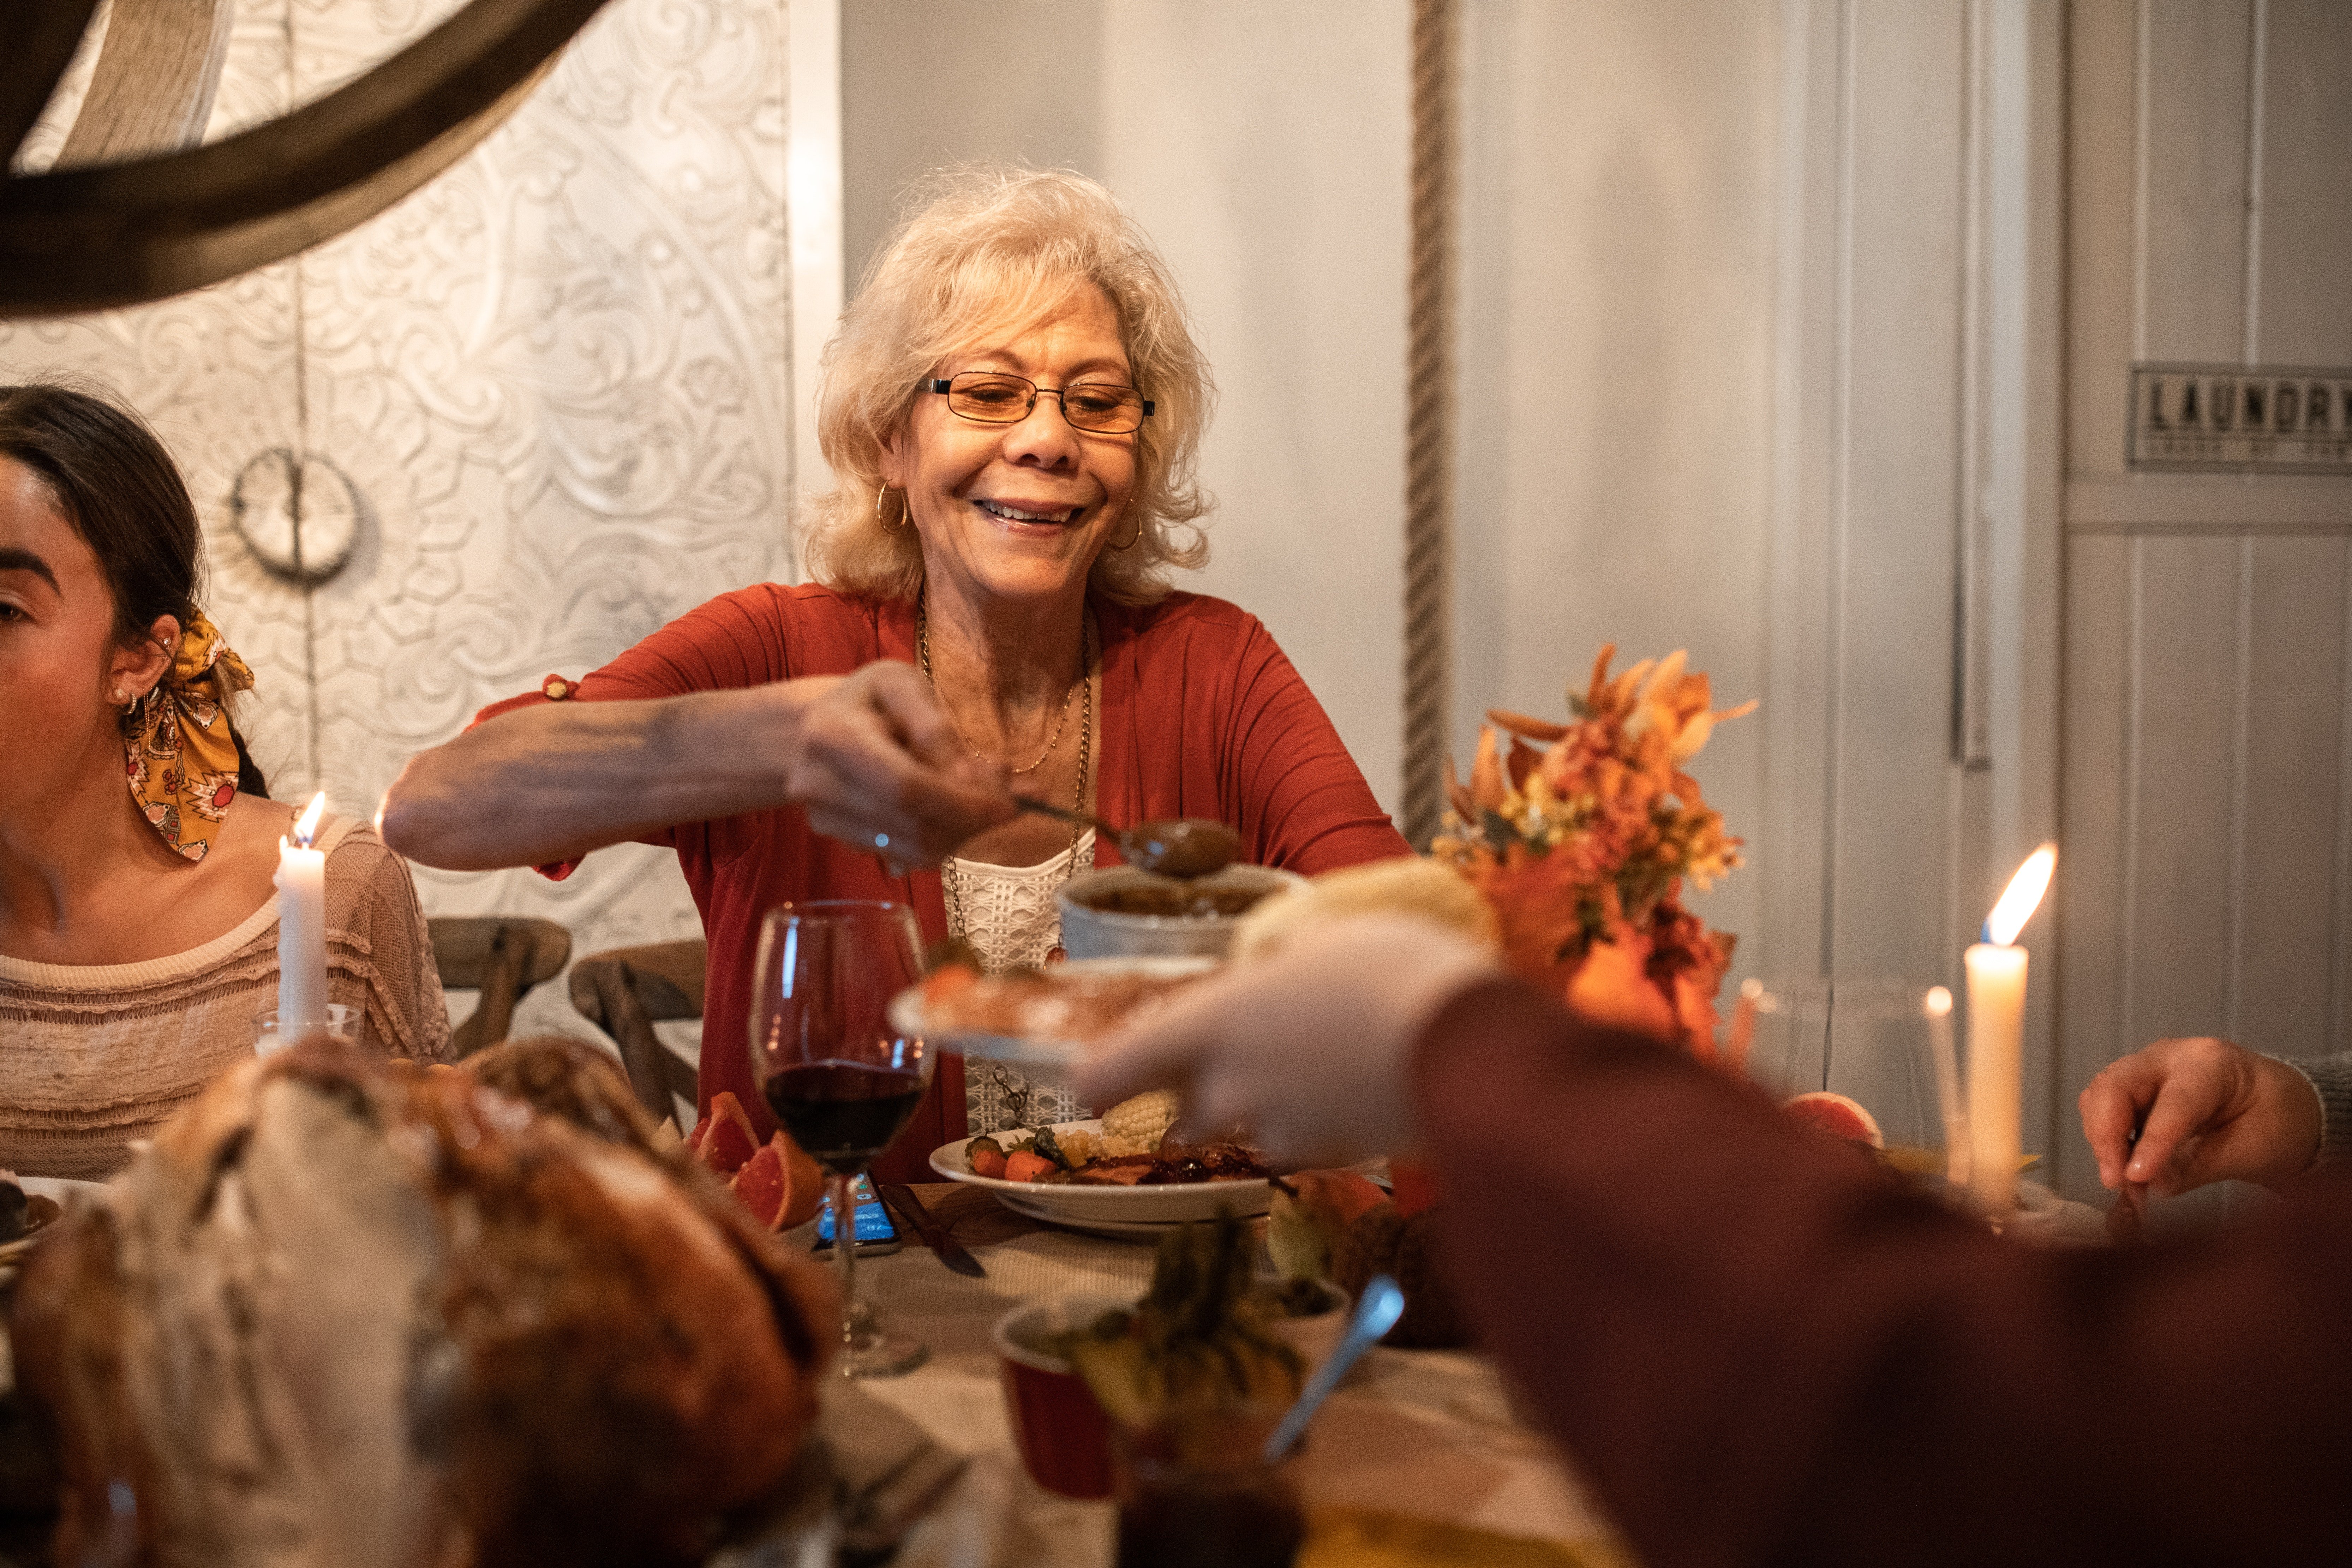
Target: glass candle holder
(1884,1044)
(342,1024)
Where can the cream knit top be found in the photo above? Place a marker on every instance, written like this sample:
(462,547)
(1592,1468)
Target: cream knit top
(93,1056)
(1012,921)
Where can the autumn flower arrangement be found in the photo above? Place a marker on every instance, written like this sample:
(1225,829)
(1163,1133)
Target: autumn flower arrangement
(1581,836)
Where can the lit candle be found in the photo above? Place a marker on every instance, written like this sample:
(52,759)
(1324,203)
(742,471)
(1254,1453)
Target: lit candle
(1997,1036)
(301,883)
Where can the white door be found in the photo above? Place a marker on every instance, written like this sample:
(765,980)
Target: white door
(2207,800)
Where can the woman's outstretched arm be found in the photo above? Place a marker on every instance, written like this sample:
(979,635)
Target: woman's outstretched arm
(869,756)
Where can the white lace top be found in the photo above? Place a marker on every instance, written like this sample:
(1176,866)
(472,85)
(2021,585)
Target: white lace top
(1011,922)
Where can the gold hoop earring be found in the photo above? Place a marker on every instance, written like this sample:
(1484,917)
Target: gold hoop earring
(1137,540)
(906,512)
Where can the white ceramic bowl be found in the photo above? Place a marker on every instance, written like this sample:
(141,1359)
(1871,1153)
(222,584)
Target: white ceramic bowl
(1313,1338)
(1090,933)
(1316,1337)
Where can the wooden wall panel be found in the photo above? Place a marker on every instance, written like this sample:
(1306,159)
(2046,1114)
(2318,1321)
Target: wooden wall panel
(2303,267)
(2207,875)
(2288,743)
(1899,506)
(2193,114)
(2178,816)
(2089,888)
(2102,43)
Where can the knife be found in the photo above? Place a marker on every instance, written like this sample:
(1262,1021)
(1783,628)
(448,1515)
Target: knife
(910,1209)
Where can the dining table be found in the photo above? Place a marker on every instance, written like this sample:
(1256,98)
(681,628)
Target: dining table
(1420,1457)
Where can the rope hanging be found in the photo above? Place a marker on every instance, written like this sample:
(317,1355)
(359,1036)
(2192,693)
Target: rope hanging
(1429,421)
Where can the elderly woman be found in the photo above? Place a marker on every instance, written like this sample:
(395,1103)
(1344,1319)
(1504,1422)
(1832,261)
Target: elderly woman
(139,925)
(1012,407)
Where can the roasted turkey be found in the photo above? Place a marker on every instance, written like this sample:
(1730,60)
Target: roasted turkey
(351,1314)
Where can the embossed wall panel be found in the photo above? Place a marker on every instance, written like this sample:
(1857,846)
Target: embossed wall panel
(556,380)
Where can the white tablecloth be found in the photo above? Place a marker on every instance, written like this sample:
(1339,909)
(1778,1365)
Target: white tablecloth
(1426,1433)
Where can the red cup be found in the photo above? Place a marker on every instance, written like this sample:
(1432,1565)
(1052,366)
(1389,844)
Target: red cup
(1063,1435)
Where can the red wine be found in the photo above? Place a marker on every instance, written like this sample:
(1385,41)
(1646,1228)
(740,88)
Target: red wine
(842,1113)
(1209,1527)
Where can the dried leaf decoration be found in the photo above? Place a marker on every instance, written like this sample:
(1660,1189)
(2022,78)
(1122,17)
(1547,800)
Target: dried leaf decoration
(1581,834)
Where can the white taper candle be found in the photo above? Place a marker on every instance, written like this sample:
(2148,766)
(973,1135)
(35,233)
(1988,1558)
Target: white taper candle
(302,882)
(1996,1073)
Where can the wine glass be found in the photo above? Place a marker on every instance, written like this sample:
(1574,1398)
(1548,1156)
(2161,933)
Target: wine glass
(840,1078)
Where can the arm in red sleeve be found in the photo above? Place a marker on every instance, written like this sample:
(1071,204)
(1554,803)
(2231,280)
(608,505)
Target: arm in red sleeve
(1759,1351)
(733,642)
(696,723)
(1302,797)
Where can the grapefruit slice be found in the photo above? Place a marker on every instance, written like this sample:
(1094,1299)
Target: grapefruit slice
(762,1186)
(724,1139)
(804,1183)
(780,1184)
(1837,1116)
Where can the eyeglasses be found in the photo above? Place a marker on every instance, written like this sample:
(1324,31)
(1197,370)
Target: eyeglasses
(991,397)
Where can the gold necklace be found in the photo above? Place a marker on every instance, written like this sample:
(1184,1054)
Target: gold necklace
(1059,725)
(953,895)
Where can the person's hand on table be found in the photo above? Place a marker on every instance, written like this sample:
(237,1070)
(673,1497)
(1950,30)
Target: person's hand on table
(1307,1047)
(879,767)
(2208,1110)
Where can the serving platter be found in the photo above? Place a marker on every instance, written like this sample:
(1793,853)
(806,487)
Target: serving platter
(1040,1055)
(1106,1210)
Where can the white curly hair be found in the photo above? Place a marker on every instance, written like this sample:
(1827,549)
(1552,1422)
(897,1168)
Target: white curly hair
(982,243)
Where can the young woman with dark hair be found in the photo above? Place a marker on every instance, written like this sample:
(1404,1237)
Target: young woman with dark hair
(139,925)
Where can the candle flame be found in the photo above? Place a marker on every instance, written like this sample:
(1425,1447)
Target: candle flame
(306,827)
(2023,897)
(1940,1002)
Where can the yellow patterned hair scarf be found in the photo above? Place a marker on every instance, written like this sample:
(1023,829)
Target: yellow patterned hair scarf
(183,759)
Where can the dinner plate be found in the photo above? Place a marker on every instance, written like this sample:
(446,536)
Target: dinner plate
(1090,1208)
(1040,1056)
(1123,1229)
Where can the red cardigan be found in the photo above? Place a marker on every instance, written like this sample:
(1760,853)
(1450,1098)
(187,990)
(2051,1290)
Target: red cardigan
(1201,716)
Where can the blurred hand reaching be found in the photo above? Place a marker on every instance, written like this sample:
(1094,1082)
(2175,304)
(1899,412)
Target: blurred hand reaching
(1307,1047)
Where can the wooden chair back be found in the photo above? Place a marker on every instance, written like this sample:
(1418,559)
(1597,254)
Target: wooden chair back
(624,990)
(502,956)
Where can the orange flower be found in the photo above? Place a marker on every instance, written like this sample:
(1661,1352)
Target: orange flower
(1582,846)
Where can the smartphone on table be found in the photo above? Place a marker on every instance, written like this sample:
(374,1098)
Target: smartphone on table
(875,1231)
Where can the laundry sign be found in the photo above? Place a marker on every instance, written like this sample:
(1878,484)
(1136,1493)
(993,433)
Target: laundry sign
(2213,419)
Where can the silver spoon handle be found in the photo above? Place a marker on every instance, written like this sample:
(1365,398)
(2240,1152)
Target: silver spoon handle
(1376,1314)
(1066,814)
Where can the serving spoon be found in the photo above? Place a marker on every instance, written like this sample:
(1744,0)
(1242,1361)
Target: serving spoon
(1377,1311)
(1188,847)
